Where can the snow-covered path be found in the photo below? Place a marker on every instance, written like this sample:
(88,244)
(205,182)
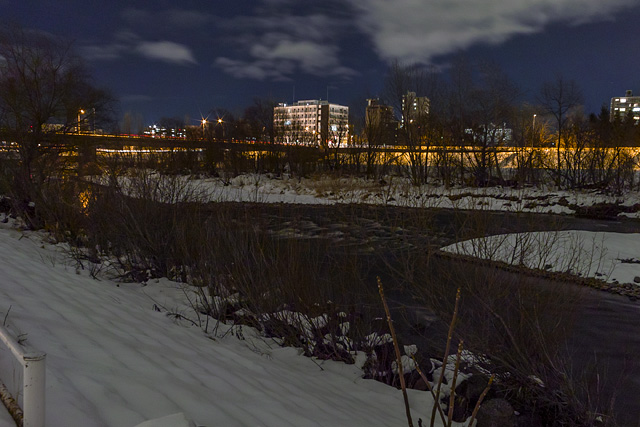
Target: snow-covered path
(114,361)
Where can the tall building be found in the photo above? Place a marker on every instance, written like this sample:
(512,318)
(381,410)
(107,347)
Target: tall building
(414,107)
(380,124)
(312,122)
(625,106)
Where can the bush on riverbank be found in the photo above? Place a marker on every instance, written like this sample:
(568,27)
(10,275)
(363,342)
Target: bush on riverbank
(515,327)
(153,225)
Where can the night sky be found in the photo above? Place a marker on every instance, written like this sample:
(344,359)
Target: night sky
(164,60)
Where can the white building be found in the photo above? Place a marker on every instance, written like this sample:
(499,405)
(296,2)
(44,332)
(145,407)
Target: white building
(625,106)
(312,122)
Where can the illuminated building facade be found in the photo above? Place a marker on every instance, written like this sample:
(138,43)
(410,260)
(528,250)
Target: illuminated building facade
(312,122)
(626,106)
(414,107)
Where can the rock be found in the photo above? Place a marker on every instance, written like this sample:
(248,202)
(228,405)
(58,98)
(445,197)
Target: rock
(461,409)
(420,385)
(413,378)
(5,204)
(467,394)
(496,413)
(636,279)
(472,388)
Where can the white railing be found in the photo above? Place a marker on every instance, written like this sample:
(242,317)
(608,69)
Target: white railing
(32,400)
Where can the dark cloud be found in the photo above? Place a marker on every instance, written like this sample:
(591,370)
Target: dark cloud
(275,43)
(102,52)
(166,51)
(417,31)
(237,50)
(126,42)
(258,70)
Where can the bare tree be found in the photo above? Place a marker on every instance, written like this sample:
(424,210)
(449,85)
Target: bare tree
(456,120)
(260,118)
(492,100)
(44,89)
(459,105)
(558,98)
(339,134)
(295,139)
(612,164)
(479,109)
(409,89)
(380,128)
(526,137)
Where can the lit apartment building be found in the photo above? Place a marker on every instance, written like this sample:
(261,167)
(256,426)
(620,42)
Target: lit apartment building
(625,106)
(414,107)
(312,122)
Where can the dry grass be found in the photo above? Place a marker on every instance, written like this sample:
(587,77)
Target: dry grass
(156,225)
(517,327)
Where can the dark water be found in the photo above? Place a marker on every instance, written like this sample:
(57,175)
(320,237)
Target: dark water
(601,346)
(608,332)
(603,342)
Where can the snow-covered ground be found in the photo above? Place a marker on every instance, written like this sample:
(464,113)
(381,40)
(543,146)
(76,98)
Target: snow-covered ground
(400,192)
(113,360)
(613,257)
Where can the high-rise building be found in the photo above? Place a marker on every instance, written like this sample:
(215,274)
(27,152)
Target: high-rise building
(414,107)
(380,124)
(625,106)
(312,122)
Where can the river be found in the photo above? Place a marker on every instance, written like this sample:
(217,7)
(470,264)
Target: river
(605,327)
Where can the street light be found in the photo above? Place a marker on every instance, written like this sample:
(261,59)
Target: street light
(533,129)
(204,123)
(80,113)
(221,123)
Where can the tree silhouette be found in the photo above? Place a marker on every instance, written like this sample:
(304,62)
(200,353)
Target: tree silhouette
(44,89)
(558,98)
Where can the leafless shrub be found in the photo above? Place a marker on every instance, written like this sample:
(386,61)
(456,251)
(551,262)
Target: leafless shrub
(519,326)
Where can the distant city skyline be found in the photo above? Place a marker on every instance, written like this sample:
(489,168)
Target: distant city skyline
(163,61)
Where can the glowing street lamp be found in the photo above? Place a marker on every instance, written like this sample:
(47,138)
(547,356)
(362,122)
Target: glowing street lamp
(80,113)
(533,129)
(221,123)
(204,123)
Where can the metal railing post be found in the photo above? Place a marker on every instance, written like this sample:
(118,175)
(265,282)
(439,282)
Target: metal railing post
(34,389)
(33,379)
